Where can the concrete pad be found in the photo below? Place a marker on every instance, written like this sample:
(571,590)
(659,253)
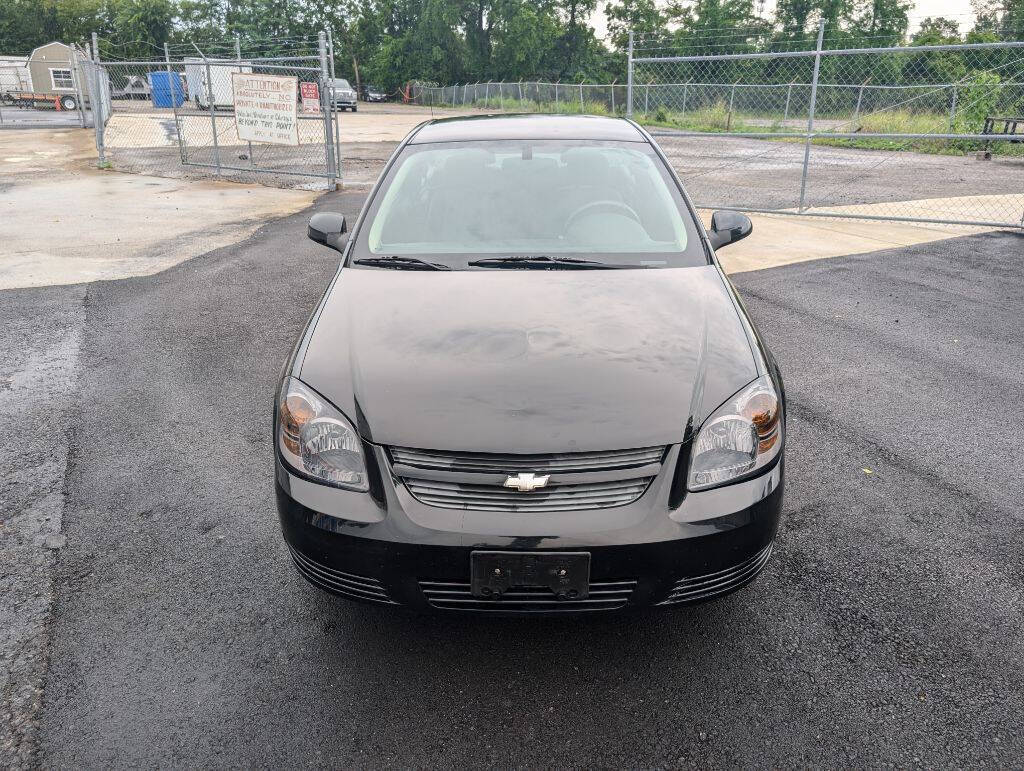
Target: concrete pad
(784,239)
(64,222)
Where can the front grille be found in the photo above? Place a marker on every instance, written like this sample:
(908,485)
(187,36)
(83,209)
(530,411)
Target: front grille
(585,480)
(697,588)
(610,595)
(338,582)
(554,498)
(539,463)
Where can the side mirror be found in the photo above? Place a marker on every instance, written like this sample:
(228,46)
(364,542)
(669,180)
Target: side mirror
(328,228)
(728,227)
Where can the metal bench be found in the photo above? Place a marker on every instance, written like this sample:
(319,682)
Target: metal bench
(1010,127)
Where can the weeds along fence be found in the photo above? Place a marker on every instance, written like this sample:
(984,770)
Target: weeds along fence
(180,116)
(602,99)
(824,132)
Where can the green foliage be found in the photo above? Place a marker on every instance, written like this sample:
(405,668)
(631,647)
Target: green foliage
(977,99)
(392,42)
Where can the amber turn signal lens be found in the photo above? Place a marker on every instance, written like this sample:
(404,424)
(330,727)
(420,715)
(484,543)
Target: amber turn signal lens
(762,409)
(295,413)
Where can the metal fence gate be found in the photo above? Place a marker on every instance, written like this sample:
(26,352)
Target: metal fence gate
(177,117)
(867,133)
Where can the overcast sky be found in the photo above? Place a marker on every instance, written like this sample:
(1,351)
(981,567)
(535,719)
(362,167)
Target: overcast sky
(954,9)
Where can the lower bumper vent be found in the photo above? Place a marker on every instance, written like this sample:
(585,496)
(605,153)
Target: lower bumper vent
(709,585)
(338,582)
(610,595)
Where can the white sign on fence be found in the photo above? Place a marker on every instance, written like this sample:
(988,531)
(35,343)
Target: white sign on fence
(266,108)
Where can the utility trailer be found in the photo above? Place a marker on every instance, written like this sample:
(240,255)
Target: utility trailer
(35,100)
(199,91)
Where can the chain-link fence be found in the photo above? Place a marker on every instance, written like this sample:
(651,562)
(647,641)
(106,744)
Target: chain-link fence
(930,134)
(269,120)
(525,96)
(877,133)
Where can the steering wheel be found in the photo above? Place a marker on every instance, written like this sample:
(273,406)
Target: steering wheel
(615,207)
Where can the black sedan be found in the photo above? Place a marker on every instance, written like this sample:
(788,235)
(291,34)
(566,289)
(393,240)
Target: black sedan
(530,388)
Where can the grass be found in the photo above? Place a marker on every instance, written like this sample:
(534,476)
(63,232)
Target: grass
(563,107)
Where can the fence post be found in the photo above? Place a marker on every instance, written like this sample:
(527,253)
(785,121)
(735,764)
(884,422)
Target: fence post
(810,116)
(789,95)
(612,89)
(501,95)
(455,90)
(174,103)
(97,107)
(211,106)
(685,85)
(629,79)
(556,96)
(732,99)
(647,94)
(860,96)
(581,96)
(952,112)
(78,86)
(325,102)
(238,58)
(335,123)
(520,84)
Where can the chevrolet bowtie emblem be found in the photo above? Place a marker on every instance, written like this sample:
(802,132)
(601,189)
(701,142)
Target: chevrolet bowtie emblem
(524,483)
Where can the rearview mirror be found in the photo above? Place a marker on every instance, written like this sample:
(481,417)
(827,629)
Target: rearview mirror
(328,228)
(728,227)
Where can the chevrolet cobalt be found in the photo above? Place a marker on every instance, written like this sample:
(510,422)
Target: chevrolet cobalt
(529,388)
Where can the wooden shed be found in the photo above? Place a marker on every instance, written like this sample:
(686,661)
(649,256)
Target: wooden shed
(53,69)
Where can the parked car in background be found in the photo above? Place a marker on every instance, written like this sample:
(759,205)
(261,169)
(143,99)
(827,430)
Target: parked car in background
(530,388)
(370,93)
(343,95)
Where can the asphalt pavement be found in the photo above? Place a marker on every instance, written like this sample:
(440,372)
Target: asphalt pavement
(886,630)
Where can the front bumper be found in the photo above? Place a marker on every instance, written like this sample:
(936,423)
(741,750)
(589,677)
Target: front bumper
(387,547)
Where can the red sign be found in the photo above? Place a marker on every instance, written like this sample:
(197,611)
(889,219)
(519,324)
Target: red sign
(310,97)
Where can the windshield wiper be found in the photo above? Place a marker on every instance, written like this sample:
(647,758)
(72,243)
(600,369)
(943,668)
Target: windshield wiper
(545,261)
(397,262)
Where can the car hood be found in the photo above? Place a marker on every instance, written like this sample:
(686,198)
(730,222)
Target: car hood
(526,360)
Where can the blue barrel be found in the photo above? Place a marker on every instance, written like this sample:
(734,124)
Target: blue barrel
(167,89)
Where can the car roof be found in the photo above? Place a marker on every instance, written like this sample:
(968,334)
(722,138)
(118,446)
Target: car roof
(483,127)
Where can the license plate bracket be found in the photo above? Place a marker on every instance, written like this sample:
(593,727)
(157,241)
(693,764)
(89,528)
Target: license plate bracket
(565,573)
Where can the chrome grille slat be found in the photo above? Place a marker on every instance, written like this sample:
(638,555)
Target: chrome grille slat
(341,582)
(719,582)
(539,463)
(604,596)
(452,480)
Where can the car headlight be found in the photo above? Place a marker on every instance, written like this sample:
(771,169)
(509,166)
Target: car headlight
(740,437)
(317,440)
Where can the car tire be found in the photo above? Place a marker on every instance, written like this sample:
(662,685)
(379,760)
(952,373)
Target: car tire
(68,103)
(354,108)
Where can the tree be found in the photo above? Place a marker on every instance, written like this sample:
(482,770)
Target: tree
(881,22)
(142,26)
(643,17)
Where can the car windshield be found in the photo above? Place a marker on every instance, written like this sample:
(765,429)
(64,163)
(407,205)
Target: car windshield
(339,83)
(455,203)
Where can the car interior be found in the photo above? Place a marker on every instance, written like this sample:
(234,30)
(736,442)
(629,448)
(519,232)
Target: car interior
(528,198)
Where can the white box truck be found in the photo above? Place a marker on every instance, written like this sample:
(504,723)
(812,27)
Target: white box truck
(220,79)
